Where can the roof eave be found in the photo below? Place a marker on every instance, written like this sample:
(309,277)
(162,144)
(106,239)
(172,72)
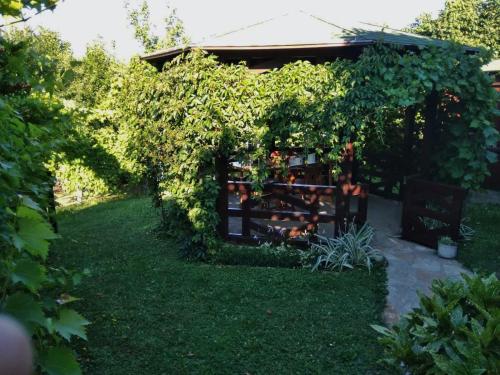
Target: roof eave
(173,52)
(176,51)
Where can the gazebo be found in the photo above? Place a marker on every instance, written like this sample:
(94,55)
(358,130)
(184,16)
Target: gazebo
(275,42)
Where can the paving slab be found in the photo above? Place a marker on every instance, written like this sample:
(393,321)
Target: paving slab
(411,267)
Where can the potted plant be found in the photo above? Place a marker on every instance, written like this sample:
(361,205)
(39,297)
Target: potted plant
(447,248)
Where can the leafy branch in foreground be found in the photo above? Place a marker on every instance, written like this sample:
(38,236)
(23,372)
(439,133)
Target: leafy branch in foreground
(453,331)
(32,290)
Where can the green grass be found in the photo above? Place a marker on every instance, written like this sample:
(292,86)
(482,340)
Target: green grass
(483,252)
(153,313)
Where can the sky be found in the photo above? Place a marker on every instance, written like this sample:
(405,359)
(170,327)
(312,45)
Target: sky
(81,21)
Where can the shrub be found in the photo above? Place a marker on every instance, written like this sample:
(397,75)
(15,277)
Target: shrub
(454,331)
(350,249)
(265,255)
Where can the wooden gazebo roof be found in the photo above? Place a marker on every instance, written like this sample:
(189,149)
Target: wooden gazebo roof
(295,36)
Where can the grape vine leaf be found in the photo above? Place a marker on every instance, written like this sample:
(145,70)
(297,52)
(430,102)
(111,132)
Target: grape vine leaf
(30,273)
(59,361)
(71,323)
(23,307)
(34,232)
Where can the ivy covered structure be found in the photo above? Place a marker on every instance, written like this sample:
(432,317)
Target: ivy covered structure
(409,105)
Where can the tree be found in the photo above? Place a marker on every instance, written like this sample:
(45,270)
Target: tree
(140,20)
(93,76)
(472,22)
(50,64)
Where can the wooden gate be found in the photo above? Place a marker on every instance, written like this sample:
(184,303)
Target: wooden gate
(280,202)
(431,210)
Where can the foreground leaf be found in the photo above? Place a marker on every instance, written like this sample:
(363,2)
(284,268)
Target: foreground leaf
(35,235)
(71,323)
(59,361)
(30,273)
(23,307)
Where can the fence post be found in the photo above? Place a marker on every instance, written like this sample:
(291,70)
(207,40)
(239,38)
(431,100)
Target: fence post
(222,200)
(343,190)
(341,207)
(458,201)
(245,198)
(362,204)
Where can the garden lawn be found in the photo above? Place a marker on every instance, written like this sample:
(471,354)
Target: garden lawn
(153,313)
(483,252)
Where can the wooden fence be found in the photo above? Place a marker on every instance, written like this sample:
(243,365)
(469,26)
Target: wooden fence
(298,203)
(431,210)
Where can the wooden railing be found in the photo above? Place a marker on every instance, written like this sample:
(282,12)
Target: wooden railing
(300,203)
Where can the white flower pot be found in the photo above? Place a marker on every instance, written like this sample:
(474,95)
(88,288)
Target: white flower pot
(447,251)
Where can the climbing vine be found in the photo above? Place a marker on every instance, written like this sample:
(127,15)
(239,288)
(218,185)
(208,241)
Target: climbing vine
(197,110)
(386,81)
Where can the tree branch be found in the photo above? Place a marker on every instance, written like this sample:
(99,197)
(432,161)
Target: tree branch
(24,19)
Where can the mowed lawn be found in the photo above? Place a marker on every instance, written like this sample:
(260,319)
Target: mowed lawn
(153,313)
(482,253)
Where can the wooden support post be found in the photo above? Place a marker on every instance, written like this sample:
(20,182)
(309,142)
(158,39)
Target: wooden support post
(362,205)
(346,165)
(341,208)
(409,136)
(430,130)
(330,172)
(457,202)
(221,165)
(343,190)
(409,140)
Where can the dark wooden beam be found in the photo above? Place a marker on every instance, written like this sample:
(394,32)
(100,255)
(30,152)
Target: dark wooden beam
(430,129)
(409,139)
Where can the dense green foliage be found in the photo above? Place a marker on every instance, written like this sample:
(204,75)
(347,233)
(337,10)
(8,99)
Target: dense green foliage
(264,255)
(196,111)
(482,252)
(386,82)
(152,313)
(471,22)
(33,290)
(97,157)
(49,61)
(454,331)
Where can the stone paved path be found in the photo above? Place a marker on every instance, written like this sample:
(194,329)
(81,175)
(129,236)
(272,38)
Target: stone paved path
(411,267)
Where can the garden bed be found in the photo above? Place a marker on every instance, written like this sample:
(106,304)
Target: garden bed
(154,313)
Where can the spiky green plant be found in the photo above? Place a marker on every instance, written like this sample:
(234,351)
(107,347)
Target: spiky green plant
(352,248)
